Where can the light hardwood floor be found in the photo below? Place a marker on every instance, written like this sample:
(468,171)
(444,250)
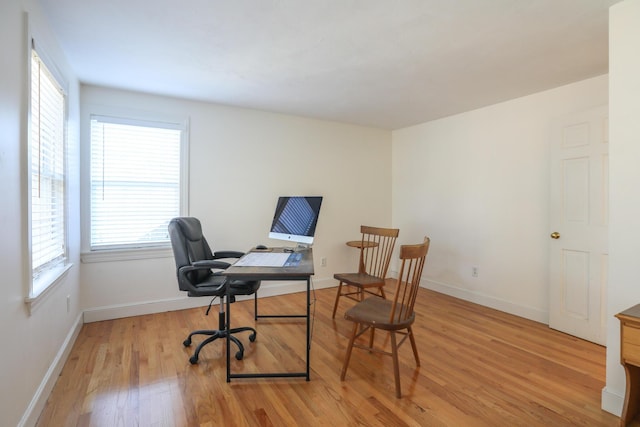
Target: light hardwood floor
(479,367)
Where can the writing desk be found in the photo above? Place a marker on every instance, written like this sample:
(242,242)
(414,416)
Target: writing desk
(302,271)
(630,359)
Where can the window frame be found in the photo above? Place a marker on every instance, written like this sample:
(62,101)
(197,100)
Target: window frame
(40,284)
(91,255)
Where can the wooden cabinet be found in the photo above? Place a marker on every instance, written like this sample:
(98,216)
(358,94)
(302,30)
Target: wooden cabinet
(630,359)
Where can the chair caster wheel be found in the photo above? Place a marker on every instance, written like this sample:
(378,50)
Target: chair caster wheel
(193,360)
(186,342)
(239,355)
(252,337)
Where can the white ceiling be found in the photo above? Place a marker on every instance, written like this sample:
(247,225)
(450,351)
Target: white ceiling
(382,63)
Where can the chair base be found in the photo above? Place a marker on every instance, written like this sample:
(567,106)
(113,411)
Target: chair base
(221,332)
(214,334)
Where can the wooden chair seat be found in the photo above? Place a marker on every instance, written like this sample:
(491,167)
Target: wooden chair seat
(376,312)
(362,280)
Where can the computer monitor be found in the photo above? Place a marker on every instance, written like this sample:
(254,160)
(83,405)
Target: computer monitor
(296,218)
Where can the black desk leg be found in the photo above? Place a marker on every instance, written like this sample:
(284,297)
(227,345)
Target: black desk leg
(228,328)
(270,375)
(308,323)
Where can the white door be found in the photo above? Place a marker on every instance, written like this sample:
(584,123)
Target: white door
(579,224)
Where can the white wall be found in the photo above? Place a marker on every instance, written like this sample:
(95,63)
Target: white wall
(32,345)
(240,161)
(624,197)
(478,184)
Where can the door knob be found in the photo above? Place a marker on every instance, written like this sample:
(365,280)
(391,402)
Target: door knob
(555,235)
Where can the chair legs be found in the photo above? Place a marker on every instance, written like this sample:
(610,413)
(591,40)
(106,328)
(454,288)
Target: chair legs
(335,305)
(214,335)
(221,332)
(396,364)
(414,347)
(393,353)
(347,356)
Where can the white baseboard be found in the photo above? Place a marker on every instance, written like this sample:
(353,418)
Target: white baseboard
(488,301)
(32,413)
(611,401)
(140,308)
(267,289)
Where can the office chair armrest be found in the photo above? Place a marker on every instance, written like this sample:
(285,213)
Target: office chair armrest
(227,254)
(188,278)
(209,263)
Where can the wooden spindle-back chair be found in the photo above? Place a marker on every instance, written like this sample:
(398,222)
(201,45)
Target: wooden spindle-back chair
(376,249)
(395,315)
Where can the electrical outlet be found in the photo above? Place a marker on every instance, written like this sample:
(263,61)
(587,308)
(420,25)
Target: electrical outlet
(474,271)
(323,262)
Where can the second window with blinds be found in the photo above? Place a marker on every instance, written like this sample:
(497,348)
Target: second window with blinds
(137,182)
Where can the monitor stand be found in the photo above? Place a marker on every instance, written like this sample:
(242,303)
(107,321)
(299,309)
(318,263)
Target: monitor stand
(301,247)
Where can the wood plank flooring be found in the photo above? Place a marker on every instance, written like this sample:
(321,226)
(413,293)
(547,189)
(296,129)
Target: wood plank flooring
(479,367)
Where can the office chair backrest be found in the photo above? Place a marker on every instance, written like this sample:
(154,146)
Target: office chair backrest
(412,263)
(189,245)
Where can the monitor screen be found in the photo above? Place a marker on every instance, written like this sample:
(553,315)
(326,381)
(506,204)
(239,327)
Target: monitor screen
(296,218)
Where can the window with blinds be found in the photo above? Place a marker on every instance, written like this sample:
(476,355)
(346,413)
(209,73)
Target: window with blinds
(47,173)
(135,182)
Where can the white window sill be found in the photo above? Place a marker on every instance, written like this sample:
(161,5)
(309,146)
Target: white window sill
(125,254)
(43,285)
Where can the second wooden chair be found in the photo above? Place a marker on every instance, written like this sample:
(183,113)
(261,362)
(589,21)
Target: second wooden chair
(376,248)
(395,316)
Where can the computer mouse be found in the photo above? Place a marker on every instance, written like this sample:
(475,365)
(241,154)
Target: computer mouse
(261,247)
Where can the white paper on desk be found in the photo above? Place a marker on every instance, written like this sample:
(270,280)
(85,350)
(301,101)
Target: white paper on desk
(262,259)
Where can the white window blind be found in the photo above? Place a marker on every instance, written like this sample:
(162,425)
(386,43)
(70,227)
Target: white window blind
(135,182)
(47,157)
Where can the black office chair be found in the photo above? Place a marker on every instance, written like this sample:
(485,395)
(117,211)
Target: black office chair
(194,264)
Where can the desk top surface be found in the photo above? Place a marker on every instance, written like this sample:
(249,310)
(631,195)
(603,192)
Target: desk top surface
(632,313)
(303,270)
